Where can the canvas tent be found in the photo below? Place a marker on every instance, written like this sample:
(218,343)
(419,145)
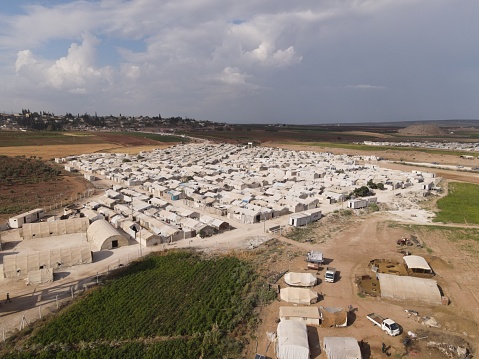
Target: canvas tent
(20,265)
(300,279)
(54,228)
(40,276)
(409,288)
(292,341)
(102,235)
(298,295)
(341,348)
(308,315)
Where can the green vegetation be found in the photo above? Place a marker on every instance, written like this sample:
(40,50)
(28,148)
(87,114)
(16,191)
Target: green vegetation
(460,205)
(21,170)
(177,305)
(304,233)
(17,138)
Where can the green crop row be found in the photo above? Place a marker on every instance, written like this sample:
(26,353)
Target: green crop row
(178,298)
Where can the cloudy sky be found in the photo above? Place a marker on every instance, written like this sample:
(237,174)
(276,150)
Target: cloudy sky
(269,61)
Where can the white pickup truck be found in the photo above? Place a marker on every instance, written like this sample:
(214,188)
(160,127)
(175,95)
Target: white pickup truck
(386,324)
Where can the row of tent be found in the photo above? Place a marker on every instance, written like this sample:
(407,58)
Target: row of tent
(298,293)
(292,343)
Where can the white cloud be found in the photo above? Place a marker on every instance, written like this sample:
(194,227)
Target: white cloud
(206,56)
(75,72)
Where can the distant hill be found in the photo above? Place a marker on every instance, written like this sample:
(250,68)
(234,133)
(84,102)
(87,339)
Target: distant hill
(421,130)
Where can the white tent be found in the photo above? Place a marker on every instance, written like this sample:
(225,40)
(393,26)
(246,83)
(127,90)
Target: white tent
(341,348)
(299,295)
(300,279)
(292,341)
(409,288)
(309,315)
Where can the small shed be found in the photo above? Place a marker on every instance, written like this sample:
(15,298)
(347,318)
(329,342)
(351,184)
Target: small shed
(417,265)
(292,340)
(298,295)
(341,348)
(300,279)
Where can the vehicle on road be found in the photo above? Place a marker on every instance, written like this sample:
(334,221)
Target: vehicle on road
(330,275)
(386,324)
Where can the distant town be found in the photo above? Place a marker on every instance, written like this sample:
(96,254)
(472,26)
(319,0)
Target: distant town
(47,121)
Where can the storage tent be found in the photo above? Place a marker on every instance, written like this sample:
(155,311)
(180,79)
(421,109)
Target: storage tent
(409,288)
(292,341)
(54,228)
(341,348)
(308,315)
(20,265)
(102,235)
(300,279)
(299,295)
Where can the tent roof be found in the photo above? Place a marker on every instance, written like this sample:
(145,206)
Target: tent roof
(292,340)
(409,288)
(341,348)
(298,295)
(300,279)
(303,312)
(416,262)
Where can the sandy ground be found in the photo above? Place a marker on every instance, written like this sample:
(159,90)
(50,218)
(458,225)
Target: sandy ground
(348,242)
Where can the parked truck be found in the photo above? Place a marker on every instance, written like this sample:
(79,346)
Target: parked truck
(386,324)
(330,274)
(315,257)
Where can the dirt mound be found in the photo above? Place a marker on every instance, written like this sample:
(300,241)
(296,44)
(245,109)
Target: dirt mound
(421,130)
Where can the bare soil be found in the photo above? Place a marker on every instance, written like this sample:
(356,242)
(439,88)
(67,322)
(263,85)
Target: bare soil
(350,249)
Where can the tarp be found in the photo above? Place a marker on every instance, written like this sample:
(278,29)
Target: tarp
(333,317)
(300,279)
(292,341)
(416,262)
(341,348)
(409,288)
(299,295)
(40,276)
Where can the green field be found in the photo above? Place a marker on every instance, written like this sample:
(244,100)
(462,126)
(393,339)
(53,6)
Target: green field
(460,205)
(177,305)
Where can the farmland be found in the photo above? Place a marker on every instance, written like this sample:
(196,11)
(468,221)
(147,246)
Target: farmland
(460,205)
(174,305)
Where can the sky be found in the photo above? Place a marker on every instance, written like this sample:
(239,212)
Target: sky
(248,61)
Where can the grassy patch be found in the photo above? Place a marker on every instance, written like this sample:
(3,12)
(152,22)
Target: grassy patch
(304,233)
(460,205)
